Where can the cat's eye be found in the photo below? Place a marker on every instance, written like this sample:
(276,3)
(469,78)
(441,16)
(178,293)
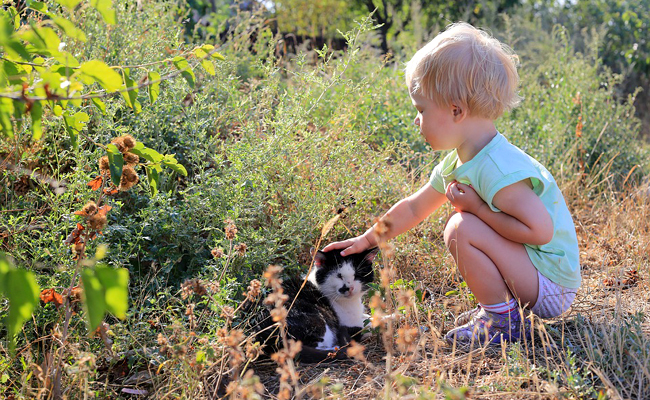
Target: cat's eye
(339,276)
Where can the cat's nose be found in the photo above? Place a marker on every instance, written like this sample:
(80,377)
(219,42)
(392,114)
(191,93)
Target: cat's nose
(344,289)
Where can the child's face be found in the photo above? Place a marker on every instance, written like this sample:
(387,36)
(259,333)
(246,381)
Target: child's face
(436,123)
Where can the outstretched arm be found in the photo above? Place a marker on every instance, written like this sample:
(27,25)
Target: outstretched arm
(523,219)
(401,217)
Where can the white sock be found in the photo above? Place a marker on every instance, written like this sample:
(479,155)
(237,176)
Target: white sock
(501,308)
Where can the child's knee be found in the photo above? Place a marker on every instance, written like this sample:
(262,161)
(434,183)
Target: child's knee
(460,226)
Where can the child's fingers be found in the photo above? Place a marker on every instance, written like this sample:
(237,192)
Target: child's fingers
(336,245)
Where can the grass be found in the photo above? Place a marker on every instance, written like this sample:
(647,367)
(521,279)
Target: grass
(280,146)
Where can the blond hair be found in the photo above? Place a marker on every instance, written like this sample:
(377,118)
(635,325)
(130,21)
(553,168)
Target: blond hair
(467,67)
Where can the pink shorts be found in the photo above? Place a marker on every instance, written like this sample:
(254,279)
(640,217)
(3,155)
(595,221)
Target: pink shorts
(552,299)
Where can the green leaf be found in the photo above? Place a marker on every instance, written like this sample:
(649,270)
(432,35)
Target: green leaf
(11,45)
(208,48)
(99,104)
(19,110)
(68,28)
(38,6)
(154,88)
(199,52)
(452,293)
(6,26)
(171,162)
(116,162)
(182,65)
(94,302)
(43,39)
(5,266)
(69,4)
(66,59)
(21,289)
(153,177)
(57,110)
(115,283)
(80,120)
(36,113)
(6,110)
(208,66)
(146,153)
(102,73)
(132,95)
(10,73)
(16,49)
(105,8)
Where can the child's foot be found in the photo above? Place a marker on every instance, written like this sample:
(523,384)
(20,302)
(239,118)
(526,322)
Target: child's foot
(490,328)
(466,316)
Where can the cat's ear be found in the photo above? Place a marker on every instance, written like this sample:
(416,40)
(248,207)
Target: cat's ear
(371,254)
(319,259)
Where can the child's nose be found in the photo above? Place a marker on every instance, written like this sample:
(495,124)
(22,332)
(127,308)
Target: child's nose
(417,121)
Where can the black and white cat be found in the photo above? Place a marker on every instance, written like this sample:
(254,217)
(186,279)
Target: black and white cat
(328,311)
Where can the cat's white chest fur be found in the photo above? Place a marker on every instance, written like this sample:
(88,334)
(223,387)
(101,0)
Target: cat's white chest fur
(349,310)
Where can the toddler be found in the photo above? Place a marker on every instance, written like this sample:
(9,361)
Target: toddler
(512,237)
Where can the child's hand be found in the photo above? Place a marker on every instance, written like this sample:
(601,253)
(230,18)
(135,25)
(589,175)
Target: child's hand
(350,246)
(464,197)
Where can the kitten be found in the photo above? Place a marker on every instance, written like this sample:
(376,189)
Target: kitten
(328,310)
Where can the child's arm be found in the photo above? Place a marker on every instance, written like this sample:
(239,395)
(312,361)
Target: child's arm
(523,219)
(401,217)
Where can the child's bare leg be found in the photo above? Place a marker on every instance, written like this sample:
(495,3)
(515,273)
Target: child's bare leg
(494,267)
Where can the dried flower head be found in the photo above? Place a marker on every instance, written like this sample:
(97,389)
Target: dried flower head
(213,286)
(162,340)
(129,142)
(97,222)
(235,338)
(228,312)
(131,159)
(406,338)
(217,252)
(89,209)
(387,249)
(293,347)
(355,350)
(254,289)
(382,226)
(405,297)
(129,178)
(279,314)
(378,318)
(230,229)
(104,165)
(192,286)
(253,350)
(119,143)
(241,249)
(276,298)
(272,276)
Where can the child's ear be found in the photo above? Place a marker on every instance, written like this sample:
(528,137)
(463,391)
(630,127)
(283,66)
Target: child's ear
(319,259)
(458,113)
